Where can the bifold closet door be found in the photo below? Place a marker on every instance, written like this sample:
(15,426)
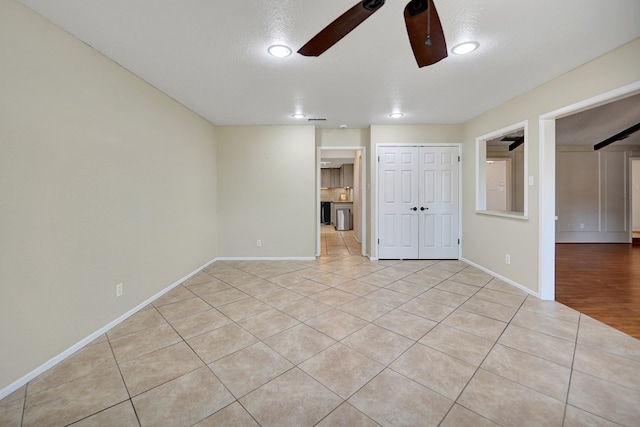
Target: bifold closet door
(418,203)
(439,203)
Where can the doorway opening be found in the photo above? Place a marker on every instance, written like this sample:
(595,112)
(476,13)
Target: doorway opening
(499,184)
(547,162)
(341,201)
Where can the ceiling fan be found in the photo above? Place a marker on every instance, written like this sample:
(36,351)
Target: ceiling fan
(516,141)
(420,16)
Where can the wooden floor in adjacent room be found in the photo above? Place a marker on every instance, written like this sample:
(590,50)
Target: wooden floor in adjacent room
(601,281)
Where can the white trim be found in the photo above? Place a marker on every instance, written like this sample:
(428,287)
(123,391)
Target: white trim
(503,214)
(363,194)
(547,182)
(547,210)
(595,101)
(318,202)
(498,276)
(87,340)
(308,258)
(631,159)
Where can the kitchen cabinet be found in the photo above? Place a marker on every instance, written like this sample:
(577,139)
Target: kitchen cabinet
(346,175)
(325,178)
(335,178)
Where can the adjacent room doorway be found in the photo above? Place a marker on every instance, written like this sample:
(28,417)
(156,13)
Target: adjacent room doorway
(358,234)
(547,180)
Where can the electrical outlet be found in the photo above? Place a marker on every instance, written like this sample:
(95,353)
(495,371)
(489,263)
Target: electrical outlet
(507,259)
(258,243)
(119,290)
(581,226)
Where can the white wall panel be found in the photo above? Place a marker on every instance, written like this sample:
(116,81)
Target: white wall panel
(614,182)
(592,197)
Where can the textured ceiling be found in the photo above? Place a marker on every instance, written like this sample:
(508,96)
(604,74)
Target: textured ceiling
(211,55)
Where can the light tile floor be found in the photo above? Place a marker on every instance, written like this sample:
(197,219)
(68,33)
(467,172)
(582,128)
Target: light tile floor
(338,242)
(343,341)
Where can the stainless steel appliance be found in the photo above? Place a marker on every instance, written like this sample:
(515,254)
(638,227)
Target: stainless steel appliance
(343,219)
(325,213)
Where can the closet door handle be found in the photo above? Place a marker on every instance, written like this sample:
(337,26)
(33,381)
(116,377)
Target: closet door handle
(414,208)
(424,209)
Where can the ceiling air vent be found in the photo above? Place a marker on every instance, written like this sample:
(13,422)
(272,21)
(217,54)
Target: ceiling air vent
(317,120)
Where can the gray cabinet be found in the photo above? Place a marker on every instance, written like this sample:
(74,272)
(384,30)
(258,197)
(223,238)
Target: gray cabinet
(325,178)
(346,174)
(335,178)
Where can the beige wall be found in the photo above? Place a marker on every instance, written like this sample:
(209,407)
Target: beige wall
(267,191)
(103,180)
(342,137)
(487,239)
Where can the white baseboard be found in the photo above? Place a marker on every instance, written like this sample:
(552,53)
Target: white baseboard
(80,344)
(504,279)
(310,258)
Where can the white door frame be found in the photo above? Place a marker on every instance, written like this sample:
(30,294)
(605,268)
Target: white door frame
(632,161)
(374,191)
(508,192)
(363,194)
(547,173)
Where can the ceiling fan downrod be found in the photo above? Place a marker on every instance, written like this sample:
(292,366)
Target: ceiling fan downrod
(416,7)
(428,41)
(372,5)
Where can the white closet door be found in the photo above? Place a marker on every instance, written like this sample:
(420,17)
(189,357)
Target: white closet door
(439,203)
(418,203)
(398,202)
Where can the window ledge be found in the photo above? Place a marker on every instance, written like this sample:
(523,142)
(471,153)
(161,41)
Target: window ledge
(512,215)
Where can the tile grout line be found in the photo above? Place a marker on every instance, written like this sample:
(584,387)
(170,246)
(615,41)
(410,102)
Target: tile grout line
(455,402)
(257,273)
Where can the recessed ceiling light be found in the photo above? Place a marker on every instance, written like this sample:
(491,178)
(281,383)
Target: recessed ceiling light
(279,50)
(396,115)
(298,116)
(464,48)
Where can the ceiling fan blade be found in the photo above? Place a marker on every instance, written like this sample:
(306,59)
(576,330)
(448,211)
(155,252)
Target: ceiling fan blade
(618,136)
(425,32)
(339,28)
(516,143)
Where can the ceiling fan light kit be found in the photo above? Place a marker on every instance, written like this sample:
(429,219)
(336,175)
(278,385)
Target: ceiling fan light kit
(279,50)
(421,19)
(464,48)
